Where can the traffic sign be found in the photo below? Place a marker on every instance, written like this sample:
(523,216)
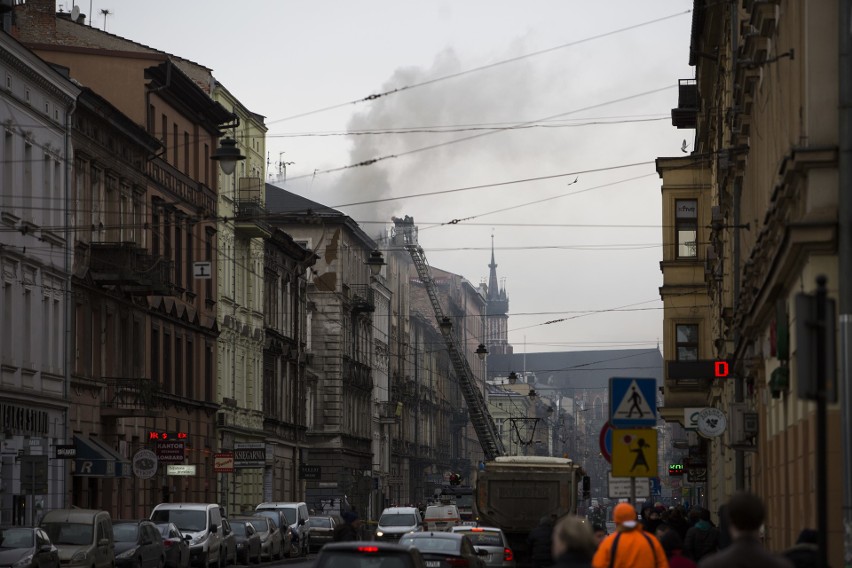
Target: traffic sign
(634,453)
(632,402)
(223,462)
(605,441)
(619,487)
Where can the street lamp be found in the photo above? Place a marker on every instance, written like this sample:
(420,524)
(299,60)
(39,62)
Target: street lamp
(227,154)
(481,352)
(375,262)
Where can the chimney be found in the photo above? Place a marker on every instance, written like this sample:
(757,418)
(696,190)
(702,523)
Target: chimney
(36,19)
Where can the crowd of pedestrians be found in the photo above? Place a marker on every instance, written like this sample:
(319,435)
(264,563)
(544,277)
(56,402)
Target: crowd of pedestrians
(667,538)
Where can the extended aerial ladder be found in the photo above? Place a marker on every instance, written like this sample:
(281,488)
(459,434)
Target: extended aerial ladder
(483,423)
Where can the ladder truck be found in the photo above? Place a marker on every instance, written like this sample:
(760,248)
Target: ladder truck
(511,492)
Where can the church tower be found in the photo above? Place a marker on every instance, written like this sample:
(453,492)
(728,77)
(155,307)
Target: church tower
(497,313)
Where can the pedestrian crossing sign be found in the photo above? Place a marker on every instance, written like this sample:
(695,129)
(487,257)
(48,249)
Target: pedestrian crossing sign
(632,402)
(634,452)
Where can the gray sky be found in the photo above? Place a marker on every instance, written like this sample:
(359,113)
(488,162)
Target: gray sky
(606,95)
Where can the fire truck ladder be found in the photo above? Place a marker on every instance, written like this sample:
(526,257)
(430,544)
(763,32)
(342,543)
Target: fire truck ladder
(483,423)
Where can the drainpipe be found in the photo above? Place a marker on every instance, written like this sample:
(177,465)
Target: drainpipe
(69,303)
(845,260)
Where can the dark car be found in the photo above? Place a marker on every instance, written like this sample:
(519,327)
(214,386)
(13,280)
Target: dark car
(368,554)
(445,549)
(322,530)
(176,547)
(247,539)
(271,543)
(25,547)
(138,544)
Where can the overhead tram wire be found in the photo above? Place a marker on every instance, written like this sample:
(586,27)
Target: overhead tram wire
(373,97)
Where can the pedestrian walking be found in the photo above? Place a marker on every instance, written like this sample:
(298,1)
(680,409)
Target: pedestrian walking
(702,538)
(629,546)
(746,514)
(349,529)
(573,543)
(804,553)
(673,546)
(540,543)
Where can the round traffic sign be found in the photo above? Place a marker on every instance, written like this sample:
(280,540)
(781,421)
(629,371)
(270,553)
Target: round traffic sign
(605,441)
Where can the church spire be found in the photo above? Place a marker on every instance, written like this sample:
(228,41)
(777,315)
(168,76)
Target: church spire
(493,290)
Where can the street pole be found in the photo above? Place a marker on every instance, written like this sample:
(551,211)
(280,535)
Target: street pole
(822,378)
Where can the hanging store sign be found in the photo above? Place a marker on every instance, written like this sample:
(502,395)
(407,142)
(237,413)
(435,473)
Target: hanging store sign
(180,469)
(249,454)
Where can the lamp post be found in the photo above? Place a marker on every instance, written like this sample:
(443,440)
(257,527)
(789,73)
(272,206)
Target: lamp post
(227,155)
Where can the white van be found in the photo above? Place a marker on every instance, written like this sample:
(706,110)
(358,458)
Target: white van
(201,525)
(396,521)
(83,537)
(441,517)
(297,516)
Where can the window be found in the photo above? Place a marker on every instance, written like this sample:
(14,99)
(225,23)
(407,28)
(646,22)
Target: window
(189,269)
(686,228)
(165,134)
(686,342)
(186,153)
(175,145)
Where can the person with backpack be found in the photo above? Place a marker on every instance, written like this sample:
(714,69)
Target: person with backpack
(629,546)
(702,538)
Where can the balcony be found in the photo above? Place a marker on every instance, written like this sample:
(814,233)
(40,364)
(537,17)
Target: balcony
(132,268)
(361,298)
(130,398)
(389,411)
(250,219)
(686,113)
(687,385)
(356,375)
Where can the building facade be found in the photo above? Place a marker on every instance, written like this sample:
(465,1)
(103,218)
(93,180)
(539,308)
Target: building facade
(35,267)
(751,220)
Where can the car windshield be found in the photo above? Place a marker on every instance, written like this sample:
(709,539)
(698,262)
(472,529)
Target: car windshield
(483,538)
(290,515)
(16,538)
(440,545)
(125,532)
(238,528)
(271,515)
(320,522)
(184,519)
(397,520)
(260,525)
(356,559)
(69,533)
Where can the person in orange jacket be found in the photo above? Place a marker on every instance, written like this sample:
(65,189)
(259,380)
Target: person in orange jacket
(629,546)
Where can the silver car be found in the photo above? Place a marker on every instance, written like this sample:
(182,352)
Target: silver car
(493,541)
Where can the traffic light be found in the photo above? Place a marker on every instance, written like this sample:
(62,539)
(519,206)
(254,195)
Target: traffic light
(455,479)
(587,487)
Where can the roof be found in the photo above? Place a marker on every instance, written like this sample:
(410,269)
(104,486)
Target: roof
(581,369)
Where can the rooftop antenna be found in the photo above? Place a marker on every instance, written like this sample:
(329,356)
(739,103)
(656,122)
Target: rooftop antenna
(106,13)
(282,167)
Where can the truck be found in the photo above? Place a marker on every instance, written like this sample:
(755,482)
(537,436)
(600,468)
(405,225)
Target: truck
(515,492)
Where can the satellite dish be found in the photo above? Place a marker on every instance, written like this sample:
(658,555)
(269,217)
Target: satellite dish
(75,13)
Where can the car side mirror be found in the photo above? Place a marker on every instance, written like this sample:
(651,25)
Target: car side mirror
(301,522)
(214,529)
(44,548)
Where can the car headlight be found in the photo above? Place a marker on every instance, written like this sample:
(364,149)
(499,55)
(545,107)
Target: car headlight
(380,533)
(79,556)
(127,553)
(25,561)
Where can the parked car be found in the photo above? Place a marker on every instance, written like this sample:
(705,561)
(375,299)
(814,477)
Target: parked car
(200,524)
(229,544)
(445,549)
(138,544)
(83,537)
(271,543)
(26,547)
(397,521)
(279,521)
(297,515)
(322,530)
(493,540)
(176,547)
(247,540)
(368,554)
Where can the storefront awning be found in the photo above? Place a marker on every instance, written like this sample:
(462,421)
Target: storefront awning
(96,459)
